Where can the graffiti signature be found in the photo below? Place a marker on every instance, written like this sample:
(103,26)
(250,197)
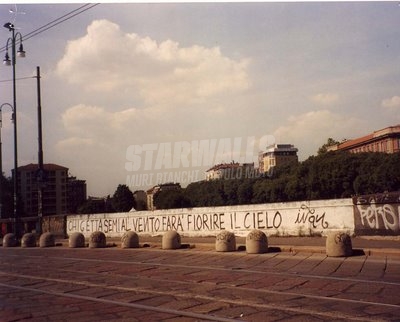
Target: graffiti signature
(307,214)
(374,214)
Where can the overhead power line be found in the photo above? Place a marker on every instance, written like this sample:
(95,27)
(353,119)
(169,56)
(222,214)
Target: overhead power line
(56,22)
(20,78)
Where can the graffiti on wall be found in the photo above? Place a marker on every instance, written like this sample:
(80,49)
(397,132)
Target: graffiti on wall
(309,215)
(377,214)
(295,219)
(179,222)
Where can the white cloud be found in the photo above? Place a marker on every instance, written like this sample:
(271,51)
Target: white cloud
(141,91)
(310,130)
(74,142)
(325,98)
(106,59)
(393,102)
(106,126)
(85,120)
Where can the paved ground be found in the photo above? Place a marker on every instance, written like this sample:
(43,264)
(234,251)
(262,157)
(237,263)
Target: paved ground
(365,245)
(199,284)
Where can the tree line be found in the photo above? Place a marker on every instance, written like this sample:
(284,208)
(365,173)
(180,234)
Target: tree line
(121,201)
(329,175)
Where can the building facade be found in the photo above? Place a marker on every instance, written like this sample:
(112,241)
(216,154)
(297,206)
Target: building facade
(54,192)
(386,140)
(233,170)
(275,155)
(160,187)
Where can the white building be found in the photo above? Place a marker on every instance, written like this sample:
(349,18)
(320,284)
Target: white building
(275,155)
(233,170)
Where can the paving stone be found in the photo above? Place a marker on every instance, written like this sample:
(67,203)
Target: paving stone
(236,312)
(269,315)
(373,269)
(289,283)
(156,300)
(349,267)
(14,315)
(223,284)
(327,266)
(209,307)
(338,286)
(181,304)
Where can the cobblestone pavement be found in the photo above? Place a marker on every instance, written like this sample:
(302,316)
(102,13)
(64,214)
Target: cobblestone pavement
(194,284)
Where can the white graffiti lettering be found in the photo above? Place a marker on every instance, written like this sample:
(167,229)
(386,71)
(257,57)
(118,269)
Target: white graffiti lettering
(374,214)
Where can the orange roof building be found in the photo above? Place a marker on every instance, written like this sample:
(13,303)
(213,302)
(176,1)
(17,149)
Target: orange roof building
(386,140)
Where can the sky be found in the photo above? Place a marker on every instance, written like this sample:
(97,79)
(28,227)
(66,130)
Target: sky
(141,94)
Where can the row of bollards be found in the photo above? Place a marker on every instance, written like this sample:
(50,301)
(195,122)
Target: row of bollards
(256,242)
(29,240)
(338,244)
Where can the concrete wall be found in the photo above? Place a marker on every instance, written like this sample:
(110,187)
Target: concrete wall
(377,214)
(283,219)
(54,224)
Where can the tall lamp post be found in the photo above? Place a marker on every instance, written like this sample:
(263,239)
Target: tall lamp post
(8,62)
(40,174)
(1,156)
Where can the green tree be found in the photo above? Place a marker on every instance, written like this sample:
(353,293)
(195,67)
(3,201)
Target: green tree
(324,148)
(171,199)
(123,199)
(206,193)
(329,175)
(262,191)
(95,206)
(245,191)
(230,191)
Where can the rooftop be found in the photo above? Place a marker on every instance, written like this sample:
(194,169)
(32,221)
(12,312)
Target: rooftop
(387,131)
(46,166)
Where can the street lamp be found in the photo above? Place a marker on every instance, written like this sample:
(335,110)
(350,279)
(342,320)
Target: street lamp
(7,62)
(1,156)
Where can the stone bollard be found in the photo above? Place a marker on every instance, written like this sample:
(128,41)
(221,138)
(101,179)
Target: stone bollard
(47,240)
(76,240)
(171,240)
(338,244)
(130,240)
(97,240)
(28,240)
(256,242)
(225,242)
(9,240)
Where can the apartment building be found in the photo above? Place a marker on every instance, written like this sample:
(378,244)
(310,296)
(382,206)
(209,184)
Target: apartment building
(54,196)
(275,155)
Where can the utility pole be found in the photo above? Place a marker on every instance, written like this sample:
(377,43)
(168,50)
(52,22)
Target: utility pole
(40,175)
